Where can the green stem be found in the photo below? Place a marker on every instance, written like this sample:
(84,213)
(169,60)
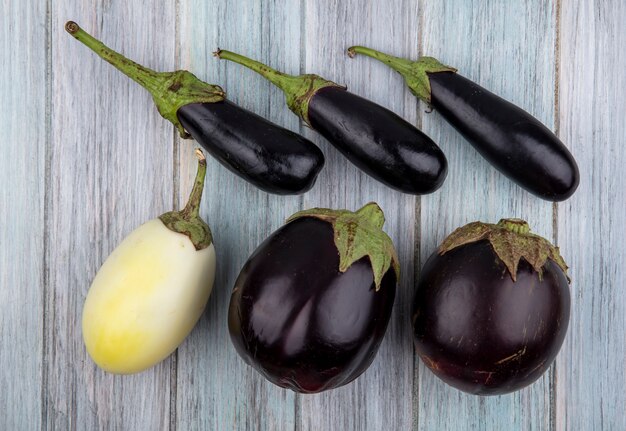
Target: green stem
(415,73)
(169,90)
(147,78)
(188,221)
(284,81)
(298,89)
(515,225)
(192,209)
(398,64)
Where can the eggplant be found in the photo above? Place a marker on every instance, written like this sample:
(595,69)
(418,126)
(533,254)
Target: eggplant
(272,158)
(312,303)
(512,140)
(375,139)
(491,308)
(151,291)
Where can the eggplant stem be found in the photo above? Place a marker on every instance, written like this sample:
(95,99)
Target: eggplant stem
(282,80)
(169,90)
(515,225)
(188,221)
(192,208)
(298,89)
(146,77)
(398,64)
(414,72)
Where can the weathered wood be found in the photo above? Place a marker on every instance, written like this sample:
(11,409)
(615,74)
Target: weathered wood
(381,398)
(110,170)
(23,103)
(110,163)
(508,47)
(592,107)
(216,389)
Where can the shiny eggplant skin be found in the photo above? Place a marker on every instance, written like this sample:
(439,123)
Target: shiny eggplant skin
(272,158)
(378,141)
(511,139)
(481,332)
(299,321)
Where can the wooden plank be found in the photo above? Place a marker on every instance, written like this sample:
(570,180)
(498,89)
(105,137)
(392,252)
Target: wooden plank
(590,370)
(216,389)
(381,398)
(23,92)
(509,49)
(110,170)
(101,184)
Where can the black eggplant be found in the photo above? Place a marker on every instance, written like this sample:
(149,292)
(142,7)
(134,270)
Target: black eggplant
(375,139)
(312,303)
(491,308)
(271,157)
(511,139)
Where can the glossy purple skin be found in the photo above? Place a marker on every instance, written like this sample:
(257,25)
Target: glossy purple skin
(378,141)
(299,321)
(511,139)
(481,332)
(271,157)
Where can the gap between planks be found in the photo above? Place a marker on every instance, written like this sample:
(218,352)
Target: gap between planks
(175,205)
(555,206)
(297,408)
(417,226)
(46,219)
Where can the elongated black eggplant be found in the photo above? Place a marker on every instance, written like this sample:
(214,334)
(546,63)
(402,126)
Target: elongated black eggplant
(375,139)
(312,303)
(511,139)
(271,157)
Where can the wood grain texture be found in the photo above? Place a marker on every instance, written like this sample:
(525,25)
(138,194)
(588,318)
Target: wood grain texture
(381,397)
(86,158)
(23,92)
(509,49)
(590,369)
(110,170)
(216,389)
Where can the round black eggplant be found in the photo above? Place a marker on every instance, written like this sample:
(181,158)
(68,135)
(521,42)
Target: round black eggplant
(372,137)
(480,331)
(378,141)
(511,139)
(298,320)
(273,158)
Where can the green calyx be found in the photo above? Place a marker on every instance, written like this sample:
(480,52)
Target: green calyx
(415,73)
(188,220)
(511,240)
(298,89)
(358,234)
(169,90)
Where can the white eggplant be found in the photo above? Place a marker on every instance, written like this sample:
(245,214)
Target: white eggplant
(150,292)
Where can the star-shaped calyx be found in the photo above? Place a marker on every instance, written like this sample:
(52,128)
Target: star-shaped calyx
(188,221)
(359,234)
(298,89)
(511,240)
(170,90)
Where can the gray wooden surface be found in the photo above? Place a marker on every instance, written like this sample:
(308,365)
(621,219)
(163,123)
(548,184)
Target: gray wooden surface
(86,158)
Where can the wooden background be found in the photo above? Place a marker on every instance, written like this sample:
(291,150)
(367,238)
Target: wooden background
(85,158)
